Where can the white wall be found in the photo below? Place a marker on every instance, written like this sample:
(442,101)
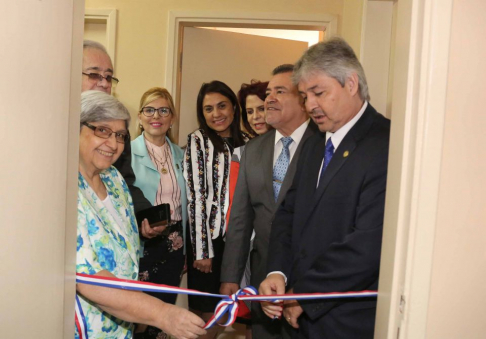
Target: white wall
(457,294)
(39,124)
(433,255)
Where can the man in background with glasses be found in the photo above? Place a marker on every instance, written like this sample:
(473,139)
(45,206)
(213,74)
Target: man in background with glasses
(98,75)
(97,68)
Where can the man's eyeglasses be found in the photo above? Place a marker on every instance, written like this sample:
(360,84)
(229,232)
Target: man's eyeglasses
(150,111)
(98,77)
(105,133)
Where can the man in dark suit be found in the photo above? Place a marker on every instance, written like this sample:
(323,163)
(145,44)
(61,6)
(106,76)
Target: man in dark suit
(98,75)
(258,191)
(326,235)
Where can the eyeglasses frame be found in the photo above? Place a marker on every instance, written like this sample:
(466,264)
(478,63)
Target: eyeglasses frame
(94,128)
(156,110)
(101,77)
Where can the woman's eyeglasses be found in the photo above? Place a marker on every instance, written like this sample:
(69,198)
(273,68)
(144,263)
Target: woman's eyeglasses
(105,133)
(150,111)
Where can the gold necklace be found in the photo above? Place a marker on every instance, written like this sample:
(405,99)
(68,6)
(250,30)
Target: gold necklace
(166,170)
(163,162)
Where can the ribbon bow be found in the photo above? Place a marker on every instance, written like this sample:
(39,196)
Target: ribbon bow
(230,305)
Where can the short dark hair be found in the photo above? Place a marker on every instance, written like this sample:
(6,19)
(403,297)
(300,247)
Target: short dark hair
(216,86)
(285,68)
(257,88)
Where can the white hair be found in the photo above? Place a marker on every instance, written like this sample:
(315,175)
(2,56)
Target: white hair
(100,106)
(95,45)
(335,58)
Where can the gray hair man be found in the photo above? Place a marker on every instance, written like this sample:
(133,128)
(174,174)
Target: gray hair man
(267,168)
(98,75)
(97,68)
(326,235)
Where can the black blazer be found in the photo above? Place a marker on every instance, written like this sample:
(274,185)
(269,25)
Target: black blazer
(124,166)
(332,234)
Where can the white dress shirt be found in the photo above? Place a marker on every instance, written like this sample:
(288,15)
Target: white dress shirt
(296,138)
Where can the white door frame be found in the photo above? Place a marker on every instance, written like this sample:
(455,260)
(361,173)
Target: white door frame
(109,17)
(418,110)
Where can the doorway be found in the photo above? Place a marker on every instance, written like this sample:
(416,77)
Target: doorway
(180,21)
(233,58)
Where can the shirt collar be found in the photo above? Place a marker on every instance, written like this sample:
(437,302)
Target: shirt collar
(339,135)
(296,135)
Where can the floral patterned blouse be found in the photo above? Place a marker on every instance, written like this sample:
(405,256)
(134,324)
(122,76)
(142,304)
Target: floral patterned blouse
(207,181)
(103,244)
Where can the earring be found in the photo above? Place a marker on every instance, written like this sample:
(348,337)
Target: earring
(141,126)
(170,127)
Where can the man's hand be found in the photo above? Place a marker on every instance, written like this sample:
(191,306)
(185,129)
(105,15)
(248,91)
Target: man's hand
(229,288)
(149,232)
(203,265)
(181,323)
(292,311)
(273,284)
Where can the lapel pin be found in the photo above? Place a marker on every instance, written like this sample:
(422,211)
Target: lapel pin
(345,154)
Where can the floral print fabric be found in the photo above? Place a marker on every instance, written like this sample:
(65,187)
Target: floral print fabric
(102,244)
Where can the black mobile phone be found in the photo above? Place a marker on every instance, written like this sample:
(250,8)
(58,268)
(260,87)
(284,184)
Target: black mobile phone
(157,215)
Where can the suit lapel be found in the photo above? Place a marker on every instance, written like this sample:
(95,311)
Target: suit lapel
(140,150)
(289,176)
(268,147)
(147,162)
(342,154)
(337,161)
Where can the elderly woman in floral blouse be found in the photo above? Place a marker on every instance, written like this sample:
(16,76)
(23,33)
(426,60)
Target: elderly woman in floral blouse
(108,239)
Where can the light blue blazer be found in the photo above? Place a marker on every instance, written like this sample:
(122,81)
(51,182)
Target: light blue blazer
(148,178)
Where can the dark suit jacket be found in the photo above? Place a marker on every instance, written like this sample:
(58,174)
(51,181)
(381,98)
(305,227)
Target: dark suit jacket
(124,166)
(328,239)
(254,207)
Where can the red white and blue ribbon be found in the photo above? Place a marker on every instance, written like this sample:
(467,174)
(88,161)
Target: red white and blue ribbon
(79,320)
(228,304)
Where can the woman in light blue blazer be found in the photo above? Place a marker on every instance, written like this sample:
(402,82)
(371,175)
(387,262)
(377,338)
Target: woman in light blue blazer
(157,163)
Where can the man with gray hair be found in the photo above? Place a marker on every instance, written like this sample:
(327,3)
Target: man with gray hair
(326,235)
(98,75)
(97,68)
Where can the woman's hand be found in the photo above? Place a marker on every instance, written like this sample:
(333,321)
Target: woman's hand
(203,265)
(149,232)
(181,323)
(138,307)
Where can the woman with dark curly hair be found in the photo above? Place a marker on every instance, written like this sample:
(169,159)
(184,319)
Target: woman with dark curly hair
(252,97)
